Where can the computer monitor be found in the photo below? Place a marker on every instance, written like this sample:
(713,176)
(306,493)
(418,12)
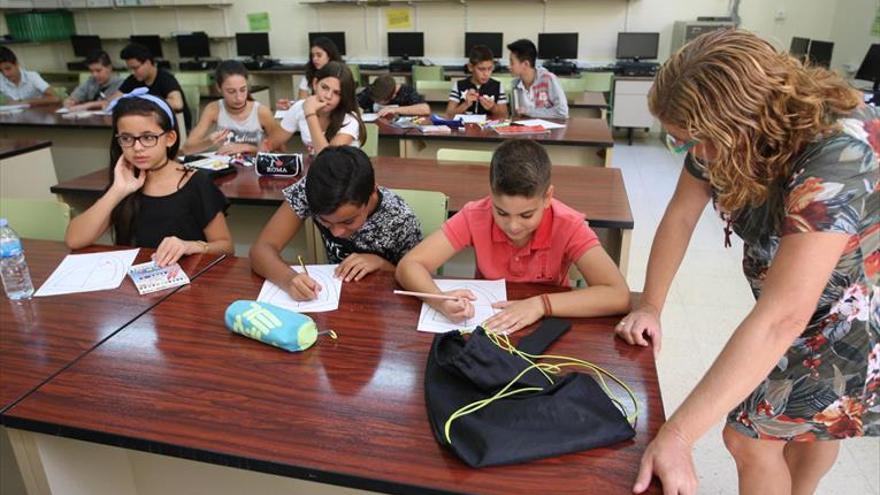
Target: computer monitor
(799,47)
(406,45)
(85,45)
(637,46)
(194,45)
(337,37)
(495,42)
(557,45)
(870,68)
(820,52)
(151,41)
(252,44)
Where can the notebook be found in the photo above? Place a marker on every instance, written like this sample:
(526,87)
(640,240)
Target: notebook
(520,129)
(149,277)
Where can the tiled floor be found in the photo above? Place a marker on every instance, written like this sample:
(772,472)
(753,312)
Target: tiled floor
(707,300)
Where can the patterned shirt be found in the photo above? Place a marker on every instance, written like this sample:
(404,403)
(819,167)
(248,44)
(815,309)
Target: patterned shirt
(544,99)
(390,231)
(30,86)
(493,89)
(90,90)
(406,96)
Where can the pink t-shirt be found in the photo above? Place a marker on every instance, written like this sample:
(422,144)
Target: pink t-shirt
(560,240)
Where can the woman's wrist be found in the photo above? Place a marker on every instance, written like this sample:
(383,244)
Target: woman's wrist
(197,247)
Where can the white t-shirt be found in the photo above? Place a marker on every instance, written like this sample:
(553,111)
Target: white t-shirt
(295,121)
(30,86)
(304,85)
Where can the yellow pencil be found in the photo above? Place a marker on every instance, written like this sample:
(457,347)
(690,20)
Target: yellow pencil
(303,265)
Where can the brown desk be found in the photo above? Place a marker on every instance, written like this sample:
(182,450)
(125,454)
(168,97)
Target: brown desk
(176,382)
(43,335)
(26,168)
(10,148)
(587,100)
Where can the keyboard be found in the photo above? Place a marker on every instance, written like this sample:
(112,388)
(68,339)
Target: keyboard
(199,64)
(561,68)
(372,66)
(637,68)
(260,64)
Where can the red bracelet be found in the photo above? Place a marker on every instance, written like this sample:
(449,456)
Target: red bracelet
(548,309)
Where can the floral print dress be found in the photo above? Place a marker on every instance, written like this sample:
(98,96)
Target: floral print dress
(827,385)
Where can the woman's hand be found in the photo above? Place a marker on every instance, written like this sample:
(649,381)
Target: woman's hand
(669,458)
(515,315)
(124,181)
(642,322)
(172,248)
(218,138)
(387,112)
(460,309)
(282,104)
(313,104)
(471,96)
(235,149)
(303,288)
(357,266)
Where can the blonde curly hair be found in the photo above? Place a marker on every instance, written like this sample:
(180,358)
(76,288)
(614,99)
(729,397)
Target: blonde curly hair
(757,106)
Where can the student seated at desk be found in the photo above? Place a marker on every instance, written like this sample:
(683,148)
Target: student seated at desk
(536,91)
(101,84)
(365,227)
(21,85)
(479,93)
(159,82)
(386,97)
(238,122)
(521,234)
(152,200)
(323,50)
(330,117)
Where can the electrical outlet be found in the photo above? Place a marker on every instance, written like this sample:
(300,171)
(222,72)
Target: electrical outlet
(780,15)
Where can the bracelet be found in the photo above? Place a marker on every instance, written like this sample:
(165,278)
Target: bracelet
(313,114)
(203,245)
(548,309)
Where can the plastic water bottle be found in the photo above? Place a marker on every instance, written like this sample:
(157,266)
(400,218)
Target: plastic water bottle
(13,268)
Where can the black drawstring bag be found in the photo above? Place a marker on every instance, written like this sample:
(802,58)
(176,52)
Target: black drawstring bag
(570,415)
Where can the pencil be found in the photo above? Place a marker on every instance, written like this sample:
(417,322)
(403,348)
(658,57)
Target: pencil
(303,265)
(426,295)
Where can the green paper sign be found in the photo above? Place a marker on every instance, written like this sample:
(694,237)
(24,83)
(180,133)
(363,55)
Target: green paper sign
(258,21)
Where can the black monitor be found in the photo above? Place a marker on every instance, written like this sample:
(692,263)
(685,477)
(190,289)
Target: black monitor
(870,68)
(254,45)
(406,45)
(820,53)
(194,45)
(495,42)
(151,41)
(557,45)
(337,37)
(637,46)
(799,47)
(85,45)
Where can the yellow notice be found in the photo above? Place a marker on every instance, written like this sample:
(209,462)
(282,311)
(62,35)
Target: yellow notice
(398,18)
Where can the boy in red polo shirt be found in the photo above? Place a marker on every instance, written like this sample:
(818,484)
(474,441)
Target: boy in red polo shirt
(521,234)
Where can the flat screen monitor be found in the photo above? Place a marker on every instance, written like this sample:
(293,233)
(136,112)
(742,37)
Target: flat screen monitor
(799,47)
(406,44)
(637,46)
(495,42)
(252,44)
(337,37)
(151,41)
(820,53)
(557,45)
(84,45)
(194,45)
(870,68)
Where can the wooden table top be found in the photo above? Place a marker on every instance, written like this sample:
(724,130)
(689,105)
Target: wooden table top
(40,336)
(578,131)
(15,147)
(348,412)
(599,193)
(587,99)
(45,116)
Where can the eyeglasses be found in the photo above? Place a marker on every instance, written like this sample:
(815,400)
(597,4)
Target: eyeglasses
(146,140)
(677,146)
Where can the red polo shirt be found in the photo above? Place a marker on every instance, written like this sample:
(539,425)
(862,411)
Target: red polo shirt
(560,240)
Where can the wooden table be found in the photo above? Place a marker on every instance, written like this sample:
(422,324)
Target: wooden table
(41,336)
(583,141)
(599,193)
(26,169)
(176,382)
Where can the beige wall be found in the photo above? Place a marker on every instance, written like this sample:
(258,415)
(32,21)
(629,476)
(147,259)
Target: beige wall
(847,22)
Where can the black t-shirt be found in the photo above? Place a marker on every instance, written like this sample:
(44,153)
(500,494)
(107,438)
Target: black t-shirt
(406,96)
(164,84)
(492,88)
(184,213)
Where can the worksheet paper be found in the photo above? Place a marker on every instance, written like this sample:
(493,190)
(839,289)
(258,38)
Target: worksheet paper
(328,297)
(546,124)
(369,117)
(470,119)
(487,293)
(88,273)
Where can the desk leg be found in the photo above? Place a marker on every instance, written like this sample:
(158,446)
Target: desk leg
(608,156)
(625,241)
(28,176)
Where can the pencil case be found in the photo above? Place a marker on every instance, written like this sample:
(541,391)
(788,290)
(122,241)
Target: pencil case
(279,164)
(271,325)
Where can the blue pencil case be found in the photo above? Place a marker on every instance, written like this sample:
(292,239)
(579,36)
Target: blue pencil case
(271,325)
(452,124)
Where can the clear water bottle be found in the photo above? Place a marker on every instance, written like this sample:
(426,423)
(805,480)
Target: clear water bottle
(13,268)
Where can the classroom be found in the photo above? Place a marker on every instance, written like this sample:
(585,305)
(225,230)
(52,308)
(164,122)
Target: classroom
(439,246)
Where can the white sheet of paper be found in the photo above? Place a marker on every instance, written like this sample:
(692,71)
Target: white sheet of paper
(487,292)
(279,114)
(470,119)
(88,272)
(19,107)
(370,117)
(546,124)
(328,297)
(62,110)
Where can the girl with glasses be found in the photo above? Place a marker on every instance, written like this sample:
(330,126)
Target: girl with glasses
(152,200)
(789,154)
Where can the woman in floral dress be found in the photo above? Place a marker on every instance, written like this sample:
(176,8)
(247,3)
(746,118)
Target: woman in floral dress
(789,156)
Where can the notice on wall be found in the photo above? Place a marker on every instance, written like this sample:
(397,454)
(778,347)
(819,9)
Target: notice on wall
(398,18)
(258,21)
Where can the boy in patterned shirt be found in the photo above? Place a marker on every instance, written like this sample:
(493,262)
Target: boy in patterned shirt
(386,97)
(365,227)
(479,93)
